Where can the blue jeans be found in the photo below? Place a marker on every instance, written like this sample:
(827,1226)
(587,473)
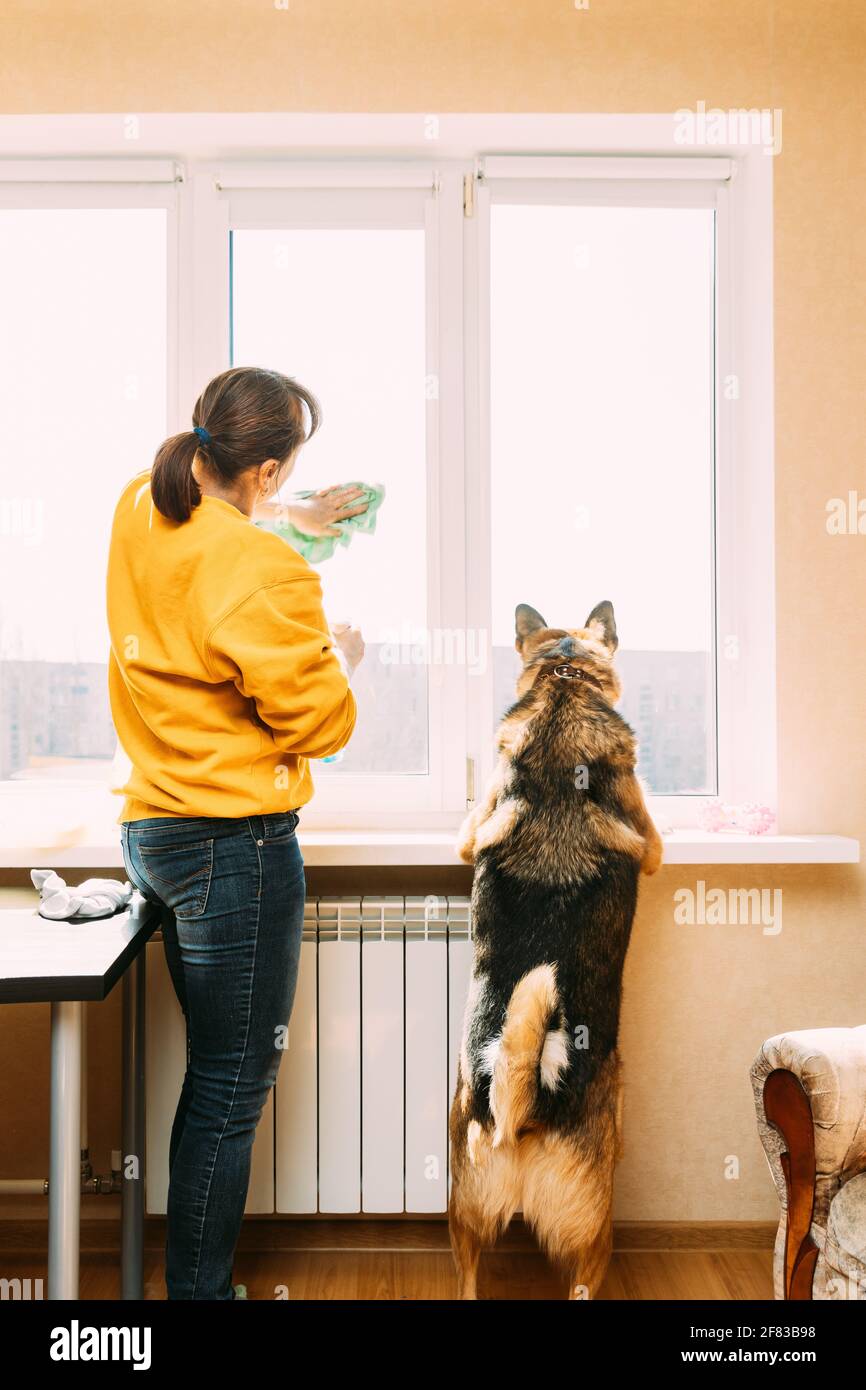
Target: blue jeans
(233,898)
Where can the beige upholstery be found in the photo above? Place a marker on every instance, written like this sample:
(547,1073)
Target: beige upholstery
(831,1066)
(845,1243)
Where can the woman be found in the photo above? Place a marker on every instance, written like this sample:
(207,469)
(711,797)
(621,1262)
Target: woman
(224,680)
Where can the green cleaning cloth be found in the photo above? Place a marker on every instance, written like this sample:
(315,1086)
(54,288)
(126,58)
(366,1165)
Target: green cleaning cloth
(318,548)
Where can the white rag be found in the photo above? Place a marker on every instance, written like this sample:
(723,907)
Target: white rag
(96,897)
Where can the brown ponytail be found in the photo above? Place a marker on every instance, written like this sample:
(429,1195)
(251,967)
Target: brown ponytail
(243,417)
(172,485)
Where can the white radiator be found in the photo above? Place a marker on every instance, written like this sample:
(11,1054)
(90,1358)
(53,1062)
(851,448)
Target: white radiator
(359,1118)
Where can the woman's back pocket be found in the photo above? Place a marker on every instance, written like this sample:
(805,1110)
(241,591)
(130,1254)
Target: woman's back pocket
(180,874)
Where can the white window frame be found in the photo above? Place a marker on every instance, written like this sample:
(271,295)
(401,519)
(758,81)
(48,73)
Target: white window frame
(238,196)
(94,184)
(384,152)
(743,500)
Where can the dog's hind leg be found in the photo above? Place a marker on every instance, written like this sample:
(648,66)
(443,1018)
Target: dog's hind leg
(485,1193)
(465,1221)
(588,1265)
(568,1187)
(466,1248)
(567,1202)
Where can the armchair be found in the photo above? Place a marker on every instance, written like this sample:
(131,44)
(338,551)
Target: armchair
(810,1098)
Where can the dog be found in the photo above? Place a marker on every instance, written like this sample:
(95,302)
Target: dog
(558,842)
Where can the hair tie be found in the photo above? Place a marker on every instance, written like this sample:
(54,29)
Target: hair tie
(202,434)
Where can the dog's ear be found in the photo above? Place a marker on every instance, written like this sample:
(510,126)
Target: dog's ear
(602,623)
(526,621)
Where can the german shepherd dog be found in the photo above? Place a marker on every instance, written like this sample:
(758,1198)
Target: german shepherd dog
(557,841)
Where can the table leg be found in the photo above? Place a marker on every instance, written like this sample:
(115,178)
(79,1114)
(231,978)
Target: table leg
(64,1177)
(132,1158)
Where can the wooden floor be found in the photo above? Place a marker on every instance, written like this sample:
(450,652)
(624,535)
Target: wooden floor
(395,1261)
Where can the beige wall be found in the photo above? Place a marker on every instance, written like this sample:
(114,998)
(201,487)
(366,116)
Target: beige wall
(698,1000)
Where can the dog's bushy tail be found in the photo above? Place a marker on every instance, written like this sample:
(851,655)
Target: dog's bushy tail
(524,1051)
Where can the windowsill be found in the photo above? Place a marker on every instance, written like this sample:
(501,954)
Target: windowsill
(349,848)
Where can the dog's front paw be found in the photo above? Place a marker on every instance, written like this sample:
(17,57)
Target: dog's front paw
(465,844)
(465,848)
(653,853)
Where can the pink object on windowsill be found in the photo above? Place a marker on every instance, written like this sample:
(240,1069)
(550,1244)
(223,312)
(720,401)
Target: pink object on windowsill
(719,816)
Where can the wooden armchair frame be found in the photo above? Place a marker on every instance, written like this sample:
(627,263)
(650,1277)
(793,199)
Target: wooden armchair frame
(787,1109)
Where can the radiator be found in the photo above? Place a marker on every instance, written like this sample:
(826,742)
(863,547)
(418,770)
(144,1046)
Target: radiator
(358,1120)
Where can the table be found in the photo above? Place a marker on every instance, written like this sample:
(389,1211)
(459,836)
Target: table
(66,964)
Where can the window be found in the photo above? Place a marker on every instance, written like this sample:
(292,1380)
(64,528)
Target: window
(83,376)
(348,287)
(621,388)
(559,366)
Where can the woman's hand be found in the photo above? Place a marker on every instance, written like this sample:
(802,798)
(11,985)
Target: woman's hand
(315,516)
(350,642)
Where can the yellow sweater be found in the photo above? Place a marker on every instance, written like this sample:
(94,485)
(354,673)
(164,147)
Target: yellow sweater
(222,675)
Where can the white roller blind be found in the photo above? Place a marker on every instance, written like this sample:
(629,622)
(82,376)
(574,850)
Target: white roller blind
(603,167)
(316,173)
(90,171)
